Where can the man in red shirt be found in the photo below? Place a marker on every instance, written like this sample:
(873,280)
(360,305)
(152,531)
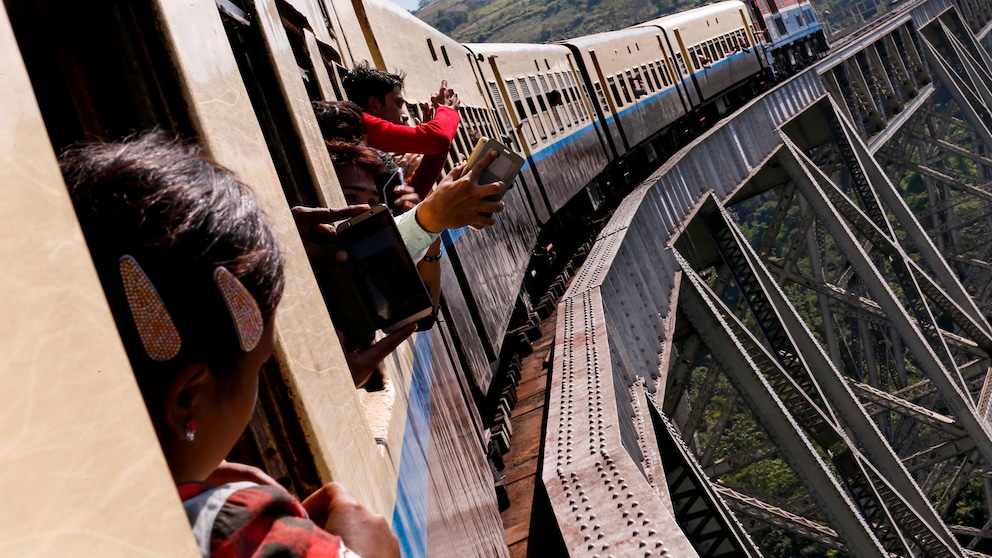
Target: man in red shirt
(380,94)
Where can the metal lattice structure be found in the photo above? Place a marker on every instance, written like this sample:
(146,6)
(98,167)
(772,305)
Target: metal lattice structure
(783,332)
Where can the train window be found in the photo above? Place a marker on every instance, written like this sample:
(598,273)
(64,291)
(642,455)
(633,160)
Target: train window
(461,137)
(500,106)
(799,19)
(636,85)
(559,84)
(533,109)
(614,90)
(563,93)
(546,65)
(540,101)
(647,77)
(430,47)
(535,117)
(654,75)
(444,53)
(680,63)
(624,88)
(259,76)
(694,58)
(555,109)
(525,124)
(780,25)
(602,96)
(580,108)
(723,47)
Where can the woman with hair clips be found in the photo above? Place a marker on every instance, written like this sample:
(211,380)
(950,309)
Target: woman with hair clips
(193,276)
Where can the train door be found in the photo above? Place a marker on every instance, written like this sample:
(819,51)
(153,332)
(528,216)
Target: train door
(612,97)
(694,91)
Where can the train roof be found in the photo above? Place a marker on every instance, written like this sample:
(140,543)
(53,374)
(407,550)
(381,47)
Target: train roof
(609,36)
(688,16)
(514,48)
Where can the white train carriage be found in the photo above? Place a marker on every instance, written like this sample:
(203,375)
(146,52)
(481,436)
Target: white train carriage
(718,45)
(633,76)
(539,98)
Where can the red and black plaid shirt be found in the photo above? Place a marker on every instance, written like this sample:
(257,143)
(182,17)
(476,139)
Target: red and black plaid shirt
(256,522)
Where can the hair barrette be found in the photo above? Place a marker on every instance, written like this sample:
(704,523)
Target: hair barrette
(243,308)
(156,329)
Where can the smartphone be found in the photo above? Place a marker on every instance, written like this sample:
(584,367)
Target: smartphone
(504,169)
(385,276)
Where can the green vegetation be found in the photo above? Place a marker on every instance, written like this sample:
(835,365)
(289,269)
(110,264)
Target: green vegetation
(520,21)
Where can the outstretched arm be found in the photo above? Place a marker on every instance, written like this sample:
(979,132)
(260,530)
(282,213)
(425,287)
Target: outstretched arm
(430,137)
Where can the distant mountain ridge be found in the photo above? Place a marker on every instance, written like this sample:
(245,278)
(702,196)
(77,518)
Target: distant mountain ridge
(537,21)
(540,21)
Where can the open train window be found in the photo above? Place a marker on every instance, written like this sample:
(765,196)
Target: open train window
(623,87)
(259,76)
(563,88)
(680,64)
(694,58)
(500,106)
(535,116)
(780,25)
(518,104)
(554,100)
(647,77)
(616,92)
(579,106)
(654,75)
(602,97)
(294,32)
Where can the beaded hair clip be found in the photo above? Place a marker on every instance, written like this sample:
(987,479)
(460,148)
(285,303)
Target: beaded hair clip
(158,332)
(243,308)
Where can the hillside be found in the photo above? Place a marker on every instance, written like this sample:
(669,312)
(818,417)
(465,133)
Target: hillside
(514,21)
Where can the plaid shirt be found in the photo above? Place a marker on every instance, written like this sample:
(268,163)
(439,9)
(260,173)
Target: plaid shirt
(242,520)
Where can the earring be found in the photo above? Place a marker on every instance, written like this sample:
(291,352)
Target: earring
(190,430)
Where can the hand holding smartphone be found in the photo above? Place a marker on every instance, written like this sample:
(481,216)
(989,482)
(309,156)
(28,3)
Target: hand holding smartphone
(504,169)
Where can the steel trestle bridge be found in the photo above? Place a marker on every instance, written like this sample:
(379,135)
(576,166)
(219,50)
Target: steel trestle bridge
(786,325)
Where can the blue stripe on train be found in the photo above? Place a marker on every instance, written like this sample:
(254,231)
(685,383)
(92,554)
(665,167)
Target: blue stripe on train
(413,486)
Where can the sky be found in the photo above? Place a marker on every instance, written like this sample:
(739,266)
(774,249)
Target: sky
(407,4)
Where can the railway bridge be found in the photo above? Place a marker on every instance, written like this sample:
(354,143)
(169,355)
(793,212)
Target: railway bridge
(785,327)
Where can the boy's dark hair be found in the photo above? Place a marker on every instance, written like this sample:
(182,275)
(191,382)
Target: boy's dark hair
(180,216)
(344,153)
(364,81)
(340,120)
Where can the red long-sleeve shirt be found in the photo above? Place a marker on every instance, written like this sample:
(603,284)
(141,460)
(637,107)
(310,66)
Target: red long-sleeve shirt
(432,138)
(428,138)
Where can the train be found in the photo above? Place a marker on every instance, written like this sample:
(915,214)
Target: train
(591,116)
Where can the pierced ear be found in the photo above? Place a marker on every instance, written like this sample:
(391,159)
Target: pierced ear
(184,396)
